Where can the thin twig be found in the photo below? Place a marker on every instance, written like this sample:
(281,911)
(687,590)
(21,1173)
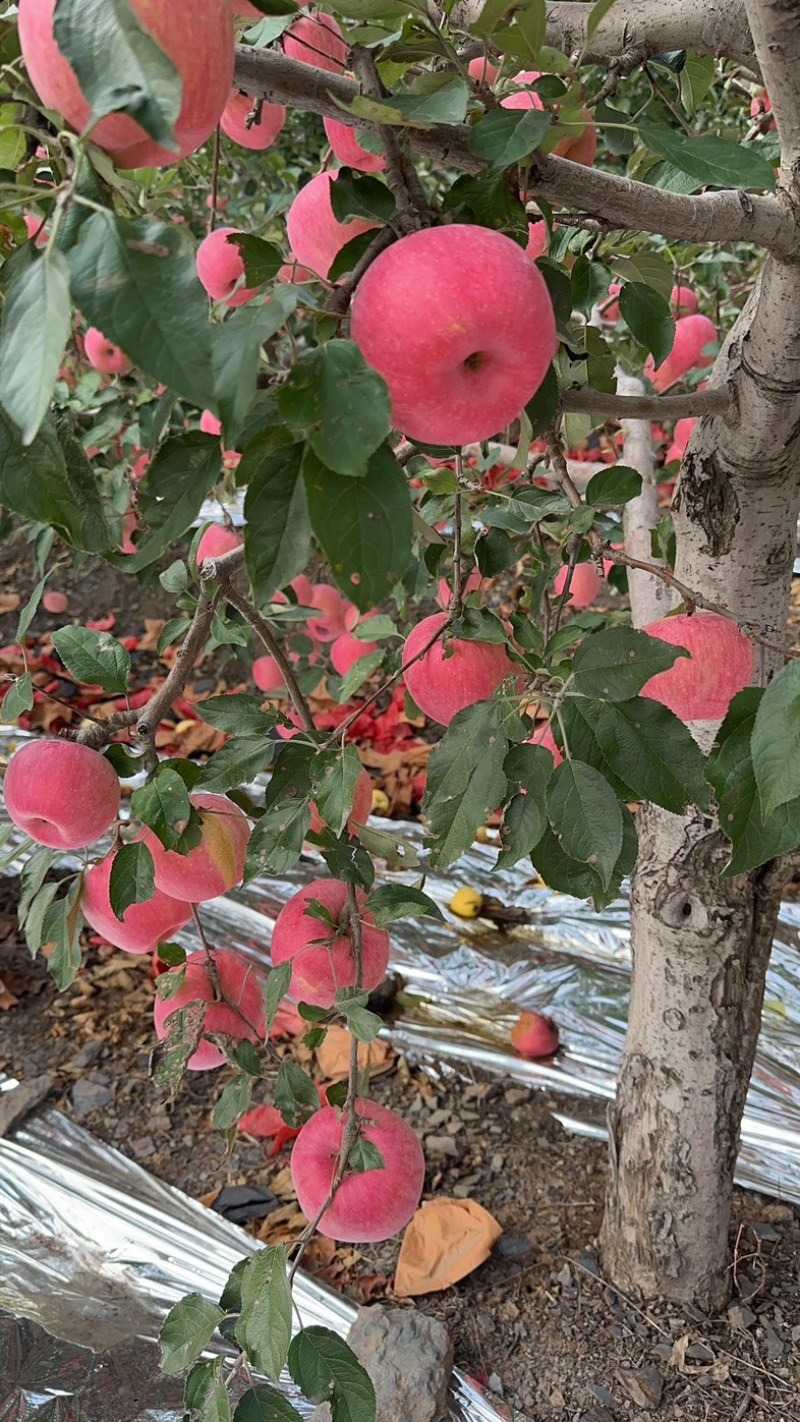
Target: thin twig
(400,173)
(262,629)
(212,218)
(339,299)
(457,595)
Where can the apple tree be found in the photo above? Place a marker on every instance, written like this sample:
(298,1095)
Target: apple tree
(397,359)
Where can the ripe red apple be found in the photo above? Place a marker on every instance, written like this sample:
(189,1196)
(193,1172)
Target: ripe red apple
(543,736)
(104,355)
(315,236)
(483,71)
(534,1035)
(346,650)
(459,322)
(580,148)
(362,806)
(322,957)
(55,602)
(584,586)
(332,608)
(680,439)
(692,334)
(215,541)
(700,687)
(197,35)
(210,425)
(348,150)
(239,1013)
(244,9)
(267,675)
(142,925)
(316,40)
(215,864)
(537,240)
(442,685)
(374,1204)
(610,309)
(683,301)
(259,136)
(220,268)
(62,794)
(35,228)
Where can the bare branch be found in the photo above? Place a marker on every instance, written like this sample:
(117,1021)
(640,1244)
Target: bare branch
(775,26)
(649,596)
(619,406)
(400,173)
(150,718)
(262,629)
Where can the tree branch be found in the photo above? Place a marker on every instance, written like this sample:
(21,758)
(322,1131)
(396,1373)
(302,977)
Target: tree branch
(262,629)
(727,216)
(775,27)
(619,406)
(649,596)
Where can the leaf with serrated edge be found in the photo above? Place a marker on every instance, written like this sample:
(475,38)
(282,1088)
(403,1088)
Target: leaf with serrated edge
(186,1331)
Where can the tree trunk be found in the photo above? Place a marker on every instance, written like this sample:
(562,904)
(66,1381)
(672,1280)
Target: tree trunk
(701,945)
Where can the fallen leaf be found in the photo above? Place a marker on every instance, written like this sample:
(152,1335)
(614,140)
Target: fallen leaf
(446,1240)
(9,602)
(333,1055)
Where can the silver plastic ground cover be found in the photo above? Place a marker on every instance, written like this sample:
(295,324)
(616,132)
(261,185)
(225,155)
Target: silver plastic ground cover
(89,1241)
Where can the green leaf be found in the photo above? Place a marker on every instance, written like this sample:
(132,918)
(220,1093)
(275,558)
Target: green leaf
(131,879)
(394,901)
(709,159)
(163,805)
(342,406)
(278,535)
(647,268)
(61,927)
(363,1024)
(262,260)
(171,631)
(696,78)
(334,786)
(143,82)
(33,336)
(205,1394)
(236,713)
(755,838)
(187,1329)
(36,915)
(363,525)
(170,496)
(616,663)
(568,876)
(237,354)
(327,1370)
(237,763)
(506,136)
(95,658)
(361,195)
(31,608)
(648,317)
(233,1103)
(275,990)
(19,698)
(585,817)
(528,769)
(643,744)
(613,486)
(138,283)
(277,841)
(447,104)
(364,1155)
(525,37)
(265,1404)
(33,875)
(358,674)
(39,484)
(776,740)
(184,1029)
(465,781)
(295,1094)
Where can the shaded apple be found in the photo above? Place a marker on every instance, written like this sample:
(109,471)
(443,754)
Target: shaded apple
(216,863)
(443,682)
(142,925)
(322,956)
(315,235)
(700,687)
(238,1012)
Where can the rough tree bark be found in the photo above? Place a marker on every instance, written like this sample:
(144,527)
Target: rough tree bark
(701,945)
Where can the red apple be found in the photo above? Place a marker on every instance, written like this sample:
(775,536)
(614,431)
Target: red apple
(348,150)
(315,236)
(260,135)
(700,687)
(534,1035)
(216,541)
(221,269)
(215,864)
(692,335)
(442,685)
(610,309)
(537,240)
(60,793)
(55,602)
(683,301)
(142,925)
(374,1204)
(104,355)
(243,9)
(267,675)
(483,71)
(680,439)
(316,40)
(584,586)
(362,806)
(332,607)
(459,322)
(238,1013)
(580,147)
(346,650)
(197,35)
(322,957)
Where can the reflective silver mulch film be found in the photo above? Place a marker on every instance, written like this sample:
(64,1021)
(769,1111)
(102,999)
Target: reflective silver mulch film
(95,1249)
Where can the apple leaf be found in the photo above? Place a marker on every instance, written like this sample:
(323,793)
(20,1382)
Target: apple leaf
(616,663)
(171,494)
(776,740)
(342,407)
(466,781)
(709,159)
(327,1370)
(363,525)
(95,658)
(506,136)
(755,837)
(278,534)
(263,1403)
(649,319)
(585,817)
(131,879)
(33,336)
(187,1329)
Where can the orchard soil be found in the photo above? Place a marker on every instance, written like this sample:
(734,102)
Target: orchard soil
(535,1324)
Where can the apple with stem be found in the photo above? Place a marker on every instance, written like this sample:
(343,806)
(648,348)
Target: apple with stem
(320,949)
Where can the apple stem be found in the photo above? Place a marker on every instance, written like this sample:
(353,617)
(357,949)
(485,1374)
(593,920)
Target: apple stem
(457,599)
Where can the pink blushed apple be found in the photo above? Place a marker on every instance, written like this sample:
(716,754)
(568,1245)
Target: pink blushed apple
(55,602)
(346,147)
(680,439)
(580,144)
(459,322)
(700,687)
(316,40)
(315,236)
(362,806)
(584,586)
(483,71)
(322,956)
(443,681)
(692,335)
(101,353)
(216,863)
(235,1003)
(373,1204)
(534,1035)
(215,542)
(142,925)
(259,136)
(197,35)
(64,795)
(221,269)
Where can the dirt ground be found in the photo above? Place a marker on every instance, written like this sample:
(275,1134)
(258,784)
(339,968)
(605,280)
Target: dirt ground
(535,1324)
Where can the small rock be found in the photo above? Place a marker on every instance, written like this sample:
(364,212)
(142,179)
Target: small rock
(597,1414)
(87,1096)
(564,1277)
(601,1394)
(87,1054)
(409,1358)
(495,1384)
(143,1147)
(441,1145)
(740,1316)
(765,1232)
(775,1344)
(643,1386)
(778,1214)
(496,1164)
